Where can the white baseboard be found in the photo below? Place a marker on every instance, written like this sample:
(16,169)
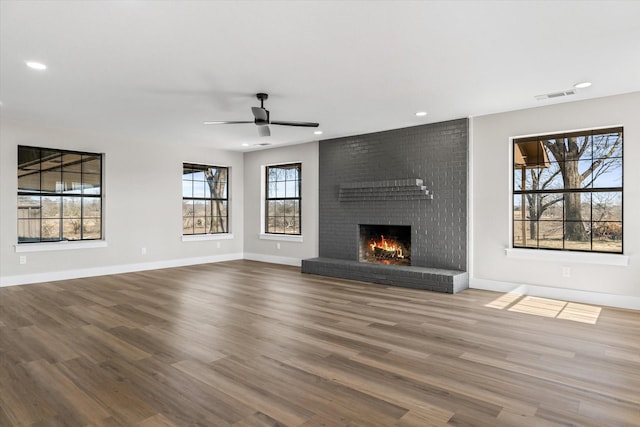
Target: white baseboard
(296,262)
(114,269)
(587,297)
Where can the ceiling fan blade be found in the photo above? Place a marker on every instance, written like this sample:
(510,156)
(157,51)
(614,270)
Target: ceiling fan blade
(223,123)
(264,131)
(303,124)
(261,115)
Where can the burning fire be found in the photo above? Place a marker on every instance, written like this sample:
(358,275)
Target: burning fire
(391,247)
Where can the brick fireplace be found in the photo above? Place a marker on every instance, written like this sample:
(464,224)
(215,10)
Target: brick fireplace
(412,180)
(384,244)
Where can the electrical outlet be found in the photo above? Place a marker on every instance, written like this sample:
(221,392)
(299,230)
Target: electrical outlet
(218,245)
(143,251)
(278,245)
(23,259)
(566,271)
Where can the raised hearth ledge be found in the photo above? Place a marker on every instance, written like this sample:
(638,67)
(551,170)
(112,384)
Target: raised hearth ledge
(432,279)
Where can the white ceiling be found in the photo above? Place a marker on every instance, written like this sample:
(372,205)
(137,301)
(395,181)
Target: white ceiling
(155,70)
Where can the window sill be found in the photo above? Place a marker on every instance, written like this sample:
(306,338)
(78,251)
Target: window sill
(205,237)
(575,257)
(281,237)
(60,246)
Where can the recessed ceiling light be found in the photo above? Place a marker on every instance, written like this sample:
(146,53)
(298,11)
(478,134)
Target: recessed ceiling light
(36,65)
(245,145)
(582,85)
(318,132)
(421,113)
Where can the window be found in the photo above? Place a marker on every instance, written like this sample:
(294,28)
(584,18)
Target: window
(205,199)
(567,191)
(283,202)
(59,195)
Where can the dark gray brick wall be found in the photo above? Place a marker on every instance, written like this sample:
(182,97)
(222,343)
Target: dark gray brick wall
(436,153)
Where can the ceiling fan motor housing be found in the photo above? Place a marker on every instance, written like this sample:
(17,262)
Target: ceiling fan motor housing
(262,121)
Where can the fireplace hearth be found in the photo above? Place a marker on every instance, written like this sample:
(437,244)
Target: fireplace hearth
(385,244)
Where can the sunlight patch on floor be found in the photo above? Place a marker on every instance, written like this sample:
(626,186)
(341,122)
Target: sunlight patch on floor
(546,307)
(580,313)
(504,301)
(538,306)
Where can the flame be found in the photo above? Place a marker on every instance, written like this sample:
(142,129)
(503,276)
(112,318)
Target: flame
(387,246)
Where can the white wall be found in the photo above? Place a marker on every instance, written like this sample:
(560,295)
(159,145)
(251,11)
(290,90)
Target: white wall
(143,199)
(491,203)
(267,250)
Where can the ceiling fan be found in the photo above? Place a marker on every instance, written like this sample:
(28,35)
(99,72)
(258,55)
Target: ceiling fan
(262,120)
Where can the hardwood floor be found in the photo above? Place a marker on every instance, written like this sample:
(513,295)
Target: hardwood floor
(243,343)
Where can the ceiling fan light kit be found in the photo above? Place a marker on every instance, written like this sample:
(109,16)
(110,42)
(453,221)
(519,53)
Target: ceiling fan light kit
(262,119)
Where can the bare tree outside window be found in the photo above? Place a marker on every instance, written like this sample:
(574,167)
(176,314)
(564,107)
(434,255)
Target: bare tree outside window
(205,199)
(568,191)
(283,199)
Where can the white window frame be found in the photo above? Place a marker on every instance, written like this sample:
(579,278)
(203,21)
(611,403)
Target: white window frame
(209,236)
(263,235)
(554,256)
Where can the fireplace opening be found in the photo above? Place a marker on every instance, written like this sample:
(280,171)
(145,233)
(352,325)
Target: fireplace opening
(385,244)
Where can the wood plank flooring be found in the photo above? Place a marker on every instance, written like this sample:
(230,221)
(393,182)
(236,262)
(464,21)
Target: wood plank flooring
(243,343)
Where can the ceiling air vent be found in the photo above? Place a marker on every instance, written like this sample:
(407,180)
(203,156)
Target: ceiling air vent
(555,94)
